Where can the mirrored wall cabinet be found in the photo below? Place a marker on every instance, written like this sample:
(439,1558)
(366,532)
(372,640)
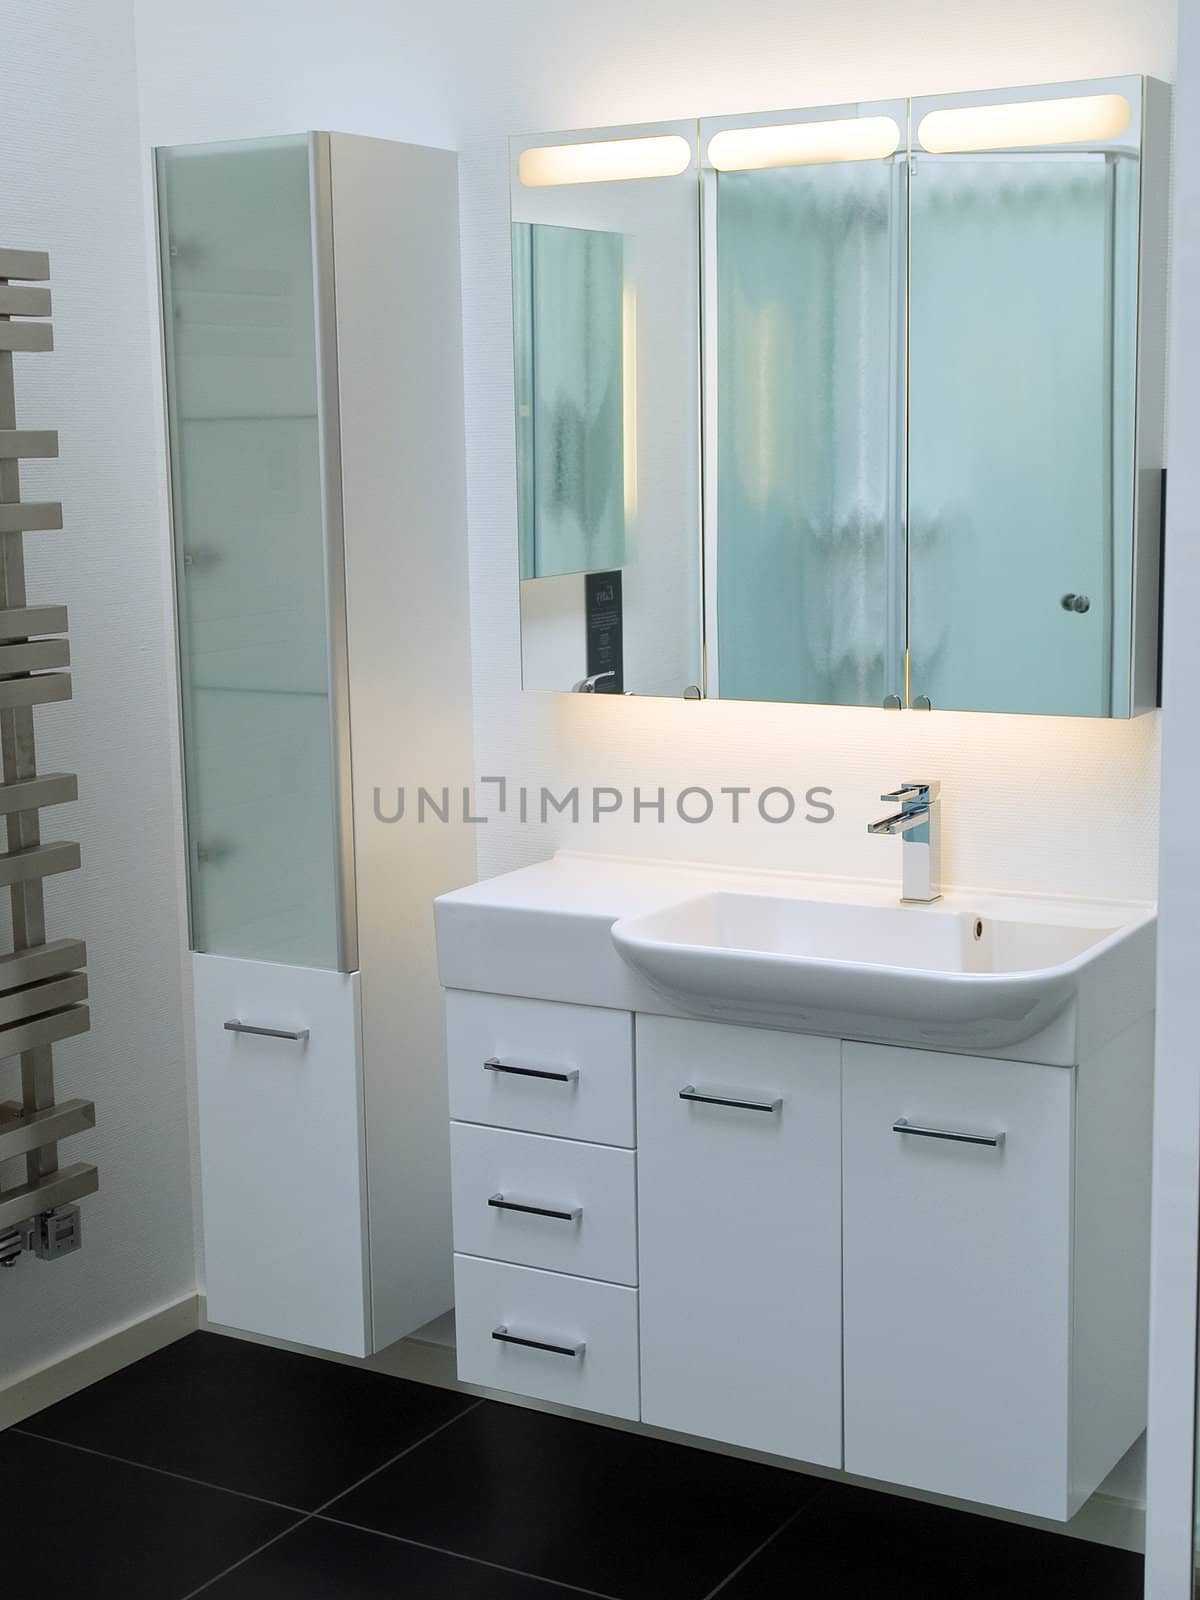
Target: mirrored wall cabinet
(851,405)
(313,365)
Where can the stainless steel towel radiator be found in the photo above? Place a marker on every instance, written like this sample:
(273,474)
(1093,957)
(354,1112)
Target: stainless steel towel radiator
(42,986)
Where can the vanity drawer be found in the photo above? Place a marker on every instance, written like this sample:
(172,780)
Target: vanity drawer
(541,1066)
(582,1200)
(582,1347)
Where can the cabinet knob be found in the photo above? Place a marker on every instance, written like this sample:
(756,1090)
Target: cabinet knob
(1076,602)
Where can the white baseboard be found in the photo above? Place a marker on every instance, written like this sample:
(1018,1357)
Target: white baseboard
(1115,1515)
(38,1387)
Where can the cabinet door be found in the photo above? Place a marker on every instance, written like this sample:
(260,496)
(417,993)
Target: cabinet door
(957,1274)
(281,1155)
(253,604)
(739,1229)
(1022,314)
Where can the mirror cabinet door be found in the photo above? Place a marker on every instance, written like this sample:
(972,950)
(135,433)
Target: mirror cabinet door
(804,404)
(1023,319)
(605,238)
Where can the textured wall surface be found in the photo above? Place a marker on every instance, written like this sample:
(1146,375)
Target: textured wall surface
(1030,804)
(70,183)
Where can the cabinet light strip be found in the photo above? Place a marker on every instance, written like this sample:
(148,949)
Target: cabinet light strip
(605,161)
(1026,122)
(804,144)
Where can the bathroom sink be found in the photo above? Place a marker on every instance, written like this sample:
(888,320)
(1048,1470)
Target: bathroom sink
(955,975)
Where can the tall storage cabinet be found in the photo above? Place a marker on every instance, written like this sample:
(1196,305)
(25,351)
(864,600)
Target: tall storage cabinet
(312,328)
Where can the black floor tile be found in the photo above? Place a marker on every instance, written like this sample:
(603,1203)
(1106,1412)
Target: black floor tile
(585,1505)
(285,1427)
(78,1524)
(322,1559)
(859,1544)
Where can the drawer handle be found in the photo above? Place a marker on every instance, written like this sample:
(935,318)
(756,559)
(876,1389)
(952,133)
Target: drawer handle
(689,1092)
(501,1204)
(234,1025)
(492,1065)
(994,1141)
(502,1336)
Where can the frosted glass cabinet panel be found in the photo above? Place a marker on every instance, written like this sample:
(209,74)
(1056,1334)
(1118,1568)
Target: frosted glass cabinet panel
(808,406)
(1022,402)
(250,558)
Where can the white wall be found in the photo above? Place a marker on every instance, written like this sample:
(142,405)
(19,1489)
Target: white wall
(1030,804)
(69,182)
(1170,1479)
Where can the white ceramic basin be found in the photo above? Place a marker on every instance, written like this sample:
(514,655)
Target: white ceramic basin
(963,979)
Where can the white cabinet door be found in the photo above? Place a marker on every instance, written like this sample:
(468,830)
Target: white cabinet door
(281,1152)
(739,1218)
(958,1275)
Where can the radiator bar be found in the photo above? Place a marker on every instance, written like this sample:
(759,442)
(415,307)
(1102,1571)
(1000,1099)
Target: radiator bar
(19,1134)
(57,1188)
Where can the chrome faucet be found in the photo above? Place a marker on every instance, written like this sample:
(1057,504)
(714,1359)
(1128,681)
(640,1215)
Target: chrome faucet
(920,821)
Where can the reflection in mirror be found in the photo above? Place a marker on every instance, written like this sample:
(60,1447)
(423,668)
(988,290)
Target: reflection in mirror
(805,547)
(567,322)
(606,338)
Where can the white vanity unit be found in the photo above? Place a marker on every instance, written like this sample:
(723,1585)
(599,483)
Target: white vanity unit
(314,386)
(778,1162)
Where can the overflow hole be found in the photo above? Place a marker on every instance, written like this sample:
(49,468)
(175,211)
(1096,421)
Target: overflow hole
(979,930)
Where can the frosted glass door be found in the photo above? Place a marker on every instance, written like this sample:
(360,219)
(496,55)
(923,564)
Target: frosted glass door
(809,565)
(1022,317)
(237,270)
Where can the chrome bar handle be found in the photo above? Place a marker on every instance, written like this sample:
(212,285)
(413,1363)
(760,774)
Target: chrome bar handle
(567,1214)
(502,1336)
(492,1065)
(690,1092)
(994,1141)
(235,1025)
